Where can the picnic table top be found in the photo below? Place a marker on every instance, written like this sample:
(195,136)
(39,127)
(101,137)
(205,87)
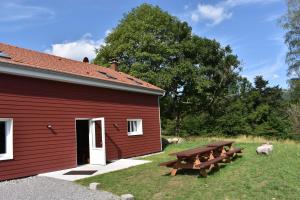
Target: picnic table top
(220,143)
(193,152)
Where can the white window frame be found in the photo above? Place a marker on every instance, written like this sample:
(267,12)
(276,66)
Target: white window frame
(139,130)
(9,139)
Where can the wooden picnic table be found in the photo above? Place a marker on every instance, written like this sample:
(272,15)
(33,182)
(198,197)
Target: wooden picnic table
(202,158)
(193,159)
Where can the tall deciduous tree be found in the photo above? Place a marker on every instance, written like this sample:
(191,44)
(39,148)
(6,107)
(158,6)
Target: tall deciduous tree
(159,48)
(146,41)
(291,22)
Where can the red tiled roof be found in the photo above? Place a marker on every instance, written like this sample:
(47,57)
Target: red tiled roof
(38,60)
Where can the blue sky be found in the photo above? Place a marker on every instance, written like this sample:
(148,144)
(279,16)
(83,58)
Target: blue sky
(74,28)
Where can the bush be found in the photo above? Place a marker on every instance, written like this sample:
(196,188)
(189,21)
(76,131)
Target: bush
(168,127)
(194,125)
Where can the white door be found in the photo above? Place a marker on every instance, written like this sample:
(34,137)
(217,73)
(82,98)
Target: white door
(97,141)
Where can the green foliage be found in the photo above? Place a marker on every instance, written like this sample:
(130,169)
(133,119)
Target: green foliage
(168,126)
(294,115)
(205,92)
(259,110)
(291,22)
(195,125)
(235,120)
(294,91)
(146,41)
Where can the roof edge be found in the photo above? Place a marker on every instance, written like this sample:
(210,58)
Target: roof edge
(24,70)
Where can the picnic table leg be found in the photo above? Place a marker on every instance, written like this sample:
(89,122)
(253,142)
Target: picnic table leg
(216,165)
(211,157)
(175,168)
(203,173)
(197,161)
(223,152)
(228,159)
(174,171)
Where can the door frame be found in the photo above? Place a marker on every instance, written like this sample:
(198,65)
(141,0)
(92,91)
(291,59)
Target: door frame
(78,119)
(92,137)
(90,145)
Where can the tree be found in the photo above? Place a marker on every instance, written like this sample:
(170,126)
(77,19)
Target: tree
(260,83)
(145,41)
(291,22)
(294,91)
(148,42)
(157,47)
(267,110)
(294,113)
(294,109)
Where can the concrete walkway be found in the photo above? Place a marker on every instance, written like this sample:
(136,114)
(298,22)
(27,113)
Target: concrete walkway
(114,166)
(44,188)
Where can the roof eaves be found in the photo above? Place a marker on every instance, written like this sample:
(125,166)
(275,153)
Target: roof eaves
(26,70)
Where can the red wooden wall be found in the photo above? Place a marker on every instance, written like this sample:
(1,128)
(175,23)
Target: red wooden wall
(35,103)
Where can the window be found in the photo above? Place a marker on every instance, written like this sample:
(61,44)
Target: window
(137,82)
(106,75)
(6,142)
(135,127)
(98,135)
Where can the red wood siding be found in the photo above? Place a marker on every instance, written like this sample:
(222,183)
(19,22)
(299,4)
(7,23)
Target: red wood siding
(35,103)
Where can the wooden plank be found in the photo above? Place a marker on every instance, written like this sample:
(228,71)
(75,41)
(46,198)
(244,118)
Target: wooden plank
(194,152)
(220,144)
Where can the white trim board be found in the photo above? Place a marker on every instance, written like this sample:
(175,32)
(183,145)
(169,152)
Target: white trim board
(9,154)
(161,144)
(26,71)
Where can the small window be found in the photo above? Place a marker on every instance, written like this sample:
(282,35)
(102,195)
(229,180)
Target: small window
(134,127)
(6,142)
(4,55)
(106,75)
(137,82)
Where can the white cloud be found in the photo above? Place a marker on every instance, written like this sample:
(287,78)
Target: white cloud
(107,32)
(234,3)
(78,49)
(14,12)
(217,13)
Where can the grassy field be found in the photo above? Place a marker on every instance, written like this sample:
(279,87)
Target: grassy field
(276,176)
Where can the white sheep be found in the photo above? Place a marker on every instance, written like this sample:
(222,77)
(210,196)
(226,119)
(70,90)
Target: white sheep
(264,149)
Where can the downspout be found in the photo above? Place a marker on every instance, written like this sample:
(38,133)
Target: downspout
(160,120)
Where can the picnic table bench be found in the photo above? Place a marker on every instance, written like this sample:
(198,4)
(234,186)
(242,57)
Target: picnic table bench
(202,158)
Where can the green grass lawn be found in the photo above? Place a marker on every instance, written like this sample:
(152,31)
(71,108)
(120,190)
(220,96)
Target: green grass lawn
(276,176)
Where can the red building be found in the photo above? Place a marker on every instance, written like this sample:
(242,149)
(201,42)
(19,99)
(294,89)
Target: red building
(57,113)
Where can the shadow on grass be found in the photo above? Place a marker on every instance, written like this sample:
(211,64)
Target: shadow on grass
(196,172)
(236,157)
(164,143)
